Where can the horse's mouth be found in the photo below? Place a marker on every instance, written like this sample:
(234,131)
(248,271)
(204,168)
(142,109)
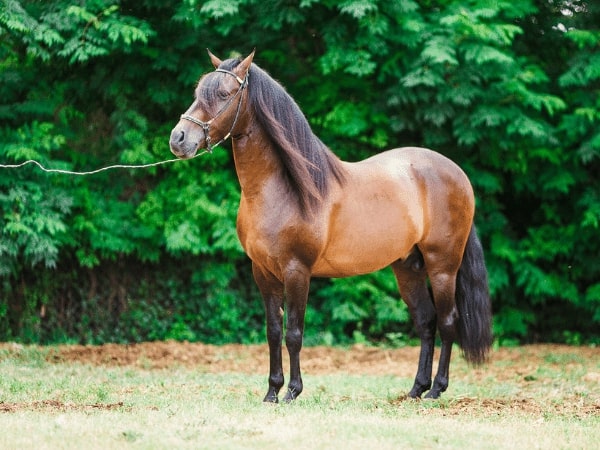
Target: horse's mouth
(183,151)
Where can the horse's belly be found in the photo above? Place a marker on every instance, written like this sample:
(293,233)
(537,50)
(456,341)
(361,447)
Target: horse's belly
(376,220)
(362,259)
(366,244)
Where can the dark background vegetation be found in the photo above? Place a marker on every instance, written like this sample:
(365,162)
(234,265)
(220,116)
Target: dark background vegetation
(509,90)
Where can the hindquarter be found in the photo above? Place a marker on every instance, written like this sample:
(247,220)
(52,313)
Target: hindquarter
(448,210)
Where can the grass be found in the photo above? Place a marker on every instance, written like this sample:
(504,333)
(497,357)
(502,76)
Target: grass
(44,405)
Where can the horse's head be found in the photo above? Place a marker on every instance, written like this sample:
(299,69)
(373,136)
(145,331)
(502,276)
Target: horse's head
(214,114)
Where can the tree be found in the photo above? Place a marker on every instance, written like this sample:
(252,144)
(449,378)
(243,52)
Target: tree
(509,90)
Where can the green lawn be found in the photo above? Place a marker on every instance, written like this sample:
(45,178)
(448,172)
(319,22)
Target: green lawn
(58,405)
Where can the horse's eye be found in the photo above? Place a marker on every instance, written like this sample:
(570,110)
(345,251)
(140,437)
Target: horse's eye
(223,94)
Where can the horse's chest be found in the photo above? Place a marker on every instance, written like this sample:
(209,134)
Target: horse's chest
(255,240)
(260,236)
(275,236)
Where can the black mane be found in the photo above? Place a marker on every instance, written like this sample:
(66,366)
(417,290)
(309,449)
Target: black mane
(310,166)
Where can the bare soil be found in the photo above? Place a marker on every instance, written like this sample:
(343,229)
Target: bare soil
(358,359)
(578,370)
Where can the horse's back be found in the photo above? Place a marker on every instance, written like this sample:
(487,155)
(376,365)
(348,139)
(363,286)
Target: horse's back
(421,160)
(435,175)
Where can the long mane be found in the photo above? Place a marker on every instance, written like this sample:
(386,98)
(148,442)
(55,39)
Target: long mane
(310,166)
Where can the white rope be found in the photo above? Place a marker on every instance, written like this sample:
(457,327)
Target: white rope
(92,172)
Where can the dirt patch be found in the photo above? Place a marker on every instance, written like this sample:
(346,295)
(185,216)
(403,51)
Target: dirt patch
(250,359)
(358,359)
(504,363)
(58,406)
(575,408)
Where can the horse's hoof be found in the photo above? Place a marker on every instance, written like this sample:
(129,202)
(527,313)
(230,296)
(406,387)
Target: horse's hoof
(433,394)
(290,396)
(414,395)
(271,399)
(418,390)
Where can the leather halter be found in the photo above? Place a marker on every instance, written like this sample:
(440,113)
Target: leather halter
(206,125)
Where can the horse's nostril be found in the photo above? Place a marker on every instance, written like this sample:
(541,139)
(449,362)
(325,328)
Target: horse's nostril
(177,141)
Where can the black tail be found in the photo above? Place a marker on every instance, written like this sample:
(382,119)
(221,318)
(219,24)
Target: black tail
(473,302)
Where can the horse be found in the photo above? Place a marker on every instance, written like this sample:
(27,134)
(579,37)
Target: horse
(305,213)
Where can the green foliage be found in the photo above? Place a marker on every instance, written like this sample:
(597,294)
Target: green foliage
(78,33)
(509,90)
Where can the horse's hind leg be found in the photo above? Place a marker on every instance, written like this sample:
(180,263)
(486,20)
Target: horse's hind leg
(442,276)
(412,281)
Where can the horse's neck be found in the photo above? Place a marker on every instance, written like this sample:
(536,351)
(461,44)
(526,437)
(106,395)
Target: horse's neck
(256,163)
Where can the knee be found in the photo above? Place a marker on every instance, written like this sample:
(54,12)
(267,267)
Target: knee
(274,334)
(293,339)
(425,328)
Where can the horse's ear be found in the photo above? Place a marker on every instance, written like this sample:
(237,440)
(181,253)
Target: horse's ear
(215,61)
(244,66)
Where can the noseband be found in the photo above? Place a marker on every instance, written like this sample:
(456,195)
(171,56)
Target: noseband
(206,125)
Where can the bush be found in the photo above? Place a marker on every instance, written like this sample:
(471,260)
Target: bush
(508,90)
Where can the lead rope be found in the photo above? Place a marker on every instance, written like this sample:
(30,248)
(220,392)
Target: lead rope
(92,172)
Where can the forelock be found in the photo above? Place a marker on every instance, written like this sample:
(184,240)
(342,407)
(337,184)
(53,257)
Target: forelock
(208,86)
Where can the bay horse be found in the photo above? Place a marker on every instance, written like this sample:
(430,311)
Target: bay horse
(305,213)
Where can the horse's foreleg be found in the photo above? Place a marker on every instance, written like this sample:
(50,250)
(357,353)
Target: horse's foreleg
(443,287)
(297,282)
(412,282)
(271,290)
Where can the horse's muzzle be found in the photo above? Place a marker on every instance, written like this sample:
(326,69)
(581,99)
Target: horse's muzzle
(181,145)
